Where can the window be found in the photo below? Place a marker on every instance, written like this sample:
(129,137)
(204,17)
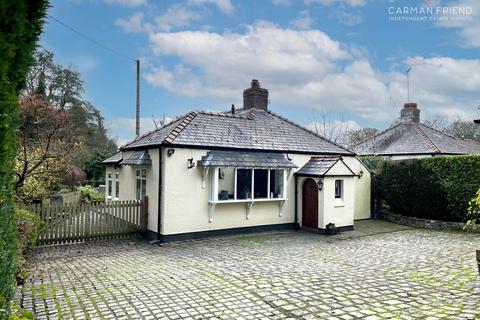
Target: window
(231,184)
(244,183)
(141,184)
(276,184)
(226,183)
(109,184)
(338,189)
(260,183)
(117,186)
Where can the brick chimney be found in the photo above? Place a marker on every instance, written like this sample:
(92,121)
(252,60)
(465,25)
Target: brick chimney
(410,113)
(255,97)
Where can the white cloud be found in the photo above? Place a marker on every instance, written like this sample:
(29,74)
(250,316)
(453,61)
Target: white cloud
(127,3)
(467,25)
(303,21)
(352,3)
(132,24)
(176,17)
(225,6)
(345,16)
(307,68)
(333,130)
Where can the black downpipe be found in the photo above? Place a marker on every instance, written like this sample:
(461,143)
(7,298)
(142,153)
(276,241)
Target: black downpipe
(160,192)
(297,227)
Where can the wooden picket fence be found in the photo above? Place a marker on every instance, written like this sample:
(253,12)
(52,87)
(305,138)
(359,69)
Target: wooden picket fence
(70,223)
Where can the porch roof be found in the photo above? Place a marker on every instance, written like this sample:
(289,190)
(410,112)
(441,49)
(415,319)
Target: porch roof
(320,165)
(245,159)
(137,158)
(114,159)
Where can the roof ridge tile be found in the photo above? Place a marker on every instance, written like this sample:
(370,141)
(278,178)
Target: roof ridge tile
(426,138)
(182,125)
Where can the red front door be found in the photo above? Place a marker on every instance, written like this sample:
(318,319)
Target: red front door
(310,204)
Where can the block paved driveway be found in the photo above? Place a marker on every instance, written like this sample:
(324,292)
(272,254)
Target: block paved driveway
(379,271)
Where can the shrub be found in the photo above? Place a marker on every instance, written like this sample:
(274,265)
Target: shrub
(473,213)
(89,193)
(28,227)
(21,24)
(432,188)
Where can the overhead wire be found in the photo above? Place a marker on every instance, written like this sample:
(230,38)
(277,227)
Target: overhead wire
(118,53)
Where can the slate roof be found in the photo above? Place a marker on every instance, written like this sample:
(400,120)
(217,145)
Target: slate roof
(319,166)
(409,138)
(137,158)
(244,159)
(246,129)
(114,159)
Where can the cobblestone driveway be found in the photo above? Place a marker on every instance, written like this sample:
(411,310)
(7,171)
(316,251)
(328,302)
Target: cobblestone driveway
(409,273)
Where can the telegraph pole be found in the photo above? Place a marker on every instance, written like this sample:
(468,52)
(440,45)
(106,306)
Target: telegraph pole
(137,120)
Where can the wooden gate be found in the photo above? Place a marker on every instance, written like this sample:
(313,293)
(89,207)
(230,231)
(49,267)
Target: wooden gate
(69,223)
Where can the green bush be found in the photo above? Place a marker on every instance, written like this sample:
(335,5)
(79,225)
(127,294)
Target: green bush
(28,227)
(89,194)
(473,213)
(20,25)
(437,188)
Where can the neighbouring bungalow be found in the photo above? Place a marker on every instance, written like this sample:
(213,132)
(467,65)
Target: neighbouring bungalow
(214,173)
(408,138)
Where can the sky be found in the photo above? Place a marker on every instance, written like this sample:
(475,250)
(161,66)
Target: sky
(334,61)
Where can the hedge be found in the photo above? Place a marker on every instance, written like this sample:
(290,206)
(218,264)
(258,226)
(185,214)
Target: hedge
(438,188)
(20,26)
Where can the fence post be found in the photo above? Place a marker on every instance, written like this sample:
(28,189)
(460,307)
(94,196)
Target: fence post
(144,214)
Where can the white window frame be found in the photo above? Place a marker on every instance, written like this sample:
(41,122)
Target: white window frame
(338,202)
(117,186)
(143,181)
(214,187)
(109,185)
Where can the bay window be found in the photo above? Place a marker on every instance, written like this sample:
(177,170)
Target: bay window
(243,185)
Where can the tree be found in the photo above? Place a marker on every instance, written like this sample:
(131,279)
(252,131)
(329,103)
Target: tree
(464,130)
(334,131)
(94,168)
(20,26)
(354,137)
(62,87)
(46,137)
(459,128)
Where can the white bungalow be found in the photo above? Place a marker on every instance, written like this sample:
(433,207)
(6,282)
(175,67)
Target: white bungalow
(240,171)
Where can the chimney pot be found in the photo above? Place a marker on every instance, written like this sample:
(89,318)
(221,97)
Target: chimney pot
(255,96)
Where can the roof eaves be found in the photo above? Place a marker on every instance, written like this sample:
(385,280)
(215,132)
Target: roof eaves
(149,133)
(310,131)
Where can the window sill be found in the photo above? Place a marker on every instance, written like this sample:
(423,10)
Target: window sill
(247,200)
(338,203)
